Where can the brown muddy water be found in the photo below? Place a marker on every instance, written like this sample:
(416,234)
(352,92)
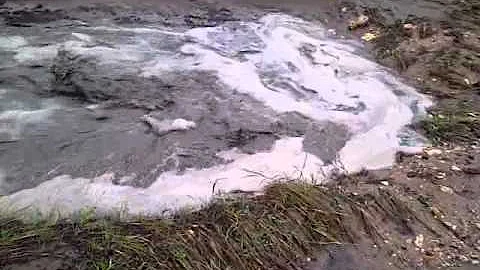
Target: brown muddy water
(238,95)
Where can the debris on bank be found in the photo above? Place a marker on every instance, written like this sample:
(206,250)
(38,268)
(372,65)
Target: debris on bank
(359,22)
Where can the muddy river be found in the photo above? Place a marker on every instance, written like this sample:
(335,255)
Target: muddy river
(148,111)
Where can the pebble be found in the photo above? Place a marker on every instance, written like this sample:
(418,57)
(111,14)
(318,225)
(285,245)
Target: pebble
(361,21)
(455,168)
(463,258)
(475,262)
(385,183)
(409,26)
(332,32)
(446,189)
(419,240)
(450,225)
(433,152)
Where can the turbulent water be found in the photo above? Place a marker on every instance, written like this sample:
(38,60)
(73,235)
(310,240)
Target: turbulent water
(151,119)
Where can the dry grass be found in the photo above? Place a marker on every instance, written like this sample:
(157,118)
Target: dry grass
(277,230)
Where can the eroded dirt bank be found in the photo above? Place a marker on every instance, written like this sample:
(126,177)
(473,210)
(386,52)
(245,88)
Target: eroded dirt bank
(421,214)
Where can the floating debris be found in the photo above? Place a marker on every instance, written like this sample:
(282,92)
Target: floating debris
(165,126)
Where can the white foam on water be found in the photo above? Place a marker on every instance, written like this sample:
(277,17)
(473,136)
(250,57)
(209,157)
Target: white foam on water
(12,122)
(291,65)
(170,190)
(19,112)
(35,54)
(83,37)
(12,43)
(288,64)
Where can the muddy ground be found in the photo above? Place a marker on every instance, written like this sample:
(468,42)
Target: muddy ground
(433,45)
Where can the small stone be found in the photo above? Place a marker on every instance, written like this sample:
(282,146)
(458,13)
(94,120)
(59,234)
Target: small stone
(433,152)
(477,225)
(455,168)
(361,21)
(463,258)
(450,225)
(411,174)
(467,81)
(385,183)
(441,175)
(409,26)
(419,240)
(344,9)
(446,189)
(436,212)
(475,262)
(434,79)
(332,32)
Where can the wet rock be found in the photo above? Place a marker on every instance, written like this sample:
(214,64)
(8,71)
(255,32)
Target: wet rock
(249,140)
(27,18)
(473,169)
(412,174)
(79,77)
(325,140)
(210,17)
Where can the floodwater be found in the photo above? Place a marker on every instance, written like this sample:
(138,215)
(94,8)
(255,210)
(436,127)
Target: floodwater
(149,117)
